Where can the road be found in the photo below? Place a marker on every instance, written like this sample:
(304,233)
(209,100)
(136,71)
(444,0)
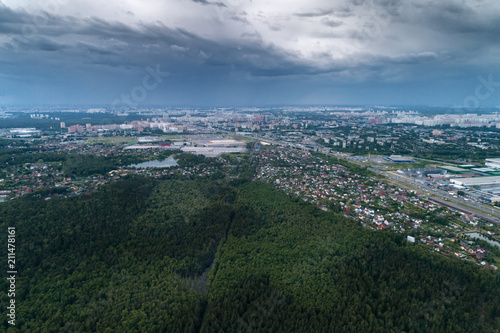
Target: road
(464,209)
(436,195)
(444,198)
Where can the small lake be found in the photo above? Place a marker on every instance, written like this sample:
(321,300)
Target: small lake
(481,237)
(155,164)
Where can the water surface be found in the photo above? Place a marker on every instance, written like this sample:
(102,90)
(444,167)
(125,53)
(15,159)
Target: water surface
(481,237)
(155,164)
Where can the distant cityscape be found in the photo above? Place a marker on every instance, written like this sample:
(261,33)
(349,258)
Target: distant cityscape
(439,163)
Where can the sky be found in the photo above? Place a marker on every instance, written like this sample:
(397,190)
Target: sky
(128,53)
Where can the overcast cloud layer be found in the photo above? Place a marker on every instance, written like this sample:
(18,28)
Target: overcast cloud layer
(258,52)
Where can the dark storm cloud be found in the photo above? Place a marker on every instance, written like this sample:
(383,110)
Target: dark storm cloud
(116,44)
(329,43)
(252,57)
(8,28)
(10,20)
(458,18)
(8,15)
(20,22)
(45,44)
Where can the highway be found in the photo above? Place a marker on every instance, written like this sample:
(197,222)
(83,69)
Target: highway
(464,209)
(434,194)
(442,197)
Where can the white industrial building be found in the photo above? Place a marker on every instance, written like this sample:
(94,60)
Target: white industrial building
(476,181)
(493,163)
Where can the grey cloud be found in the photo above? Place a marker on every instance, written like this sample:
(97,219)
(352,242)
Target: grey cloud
(179,48)
(251,56)
(45,44)
(254,34)
(393,7)
(96,49)
(209,3)
(11,21)
(415,58)
(239,18)
(453,17)
(352,8)
(331,23)
(317,13)
(8,28)
(8,15)
(35,43)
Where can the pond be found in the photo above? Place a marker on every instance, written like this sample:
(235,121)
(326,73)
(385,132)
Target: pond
(155,164)
(481,237)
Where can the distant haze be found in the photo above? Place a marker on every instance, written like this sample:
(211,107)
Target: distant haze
(242,52)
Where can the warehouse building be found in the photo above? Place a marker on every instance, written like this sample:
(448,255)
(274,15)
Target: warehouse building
(476,181)
(452,169)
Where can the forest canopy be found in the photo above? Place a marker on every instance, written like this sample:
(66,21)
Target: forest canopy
(197,255)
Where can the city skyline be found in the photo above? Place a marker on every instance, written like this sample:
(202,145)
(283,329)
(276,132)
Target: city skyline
(250,53)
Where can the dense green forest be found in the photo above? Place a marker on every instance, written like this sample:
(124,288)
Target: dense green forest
(179,255)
